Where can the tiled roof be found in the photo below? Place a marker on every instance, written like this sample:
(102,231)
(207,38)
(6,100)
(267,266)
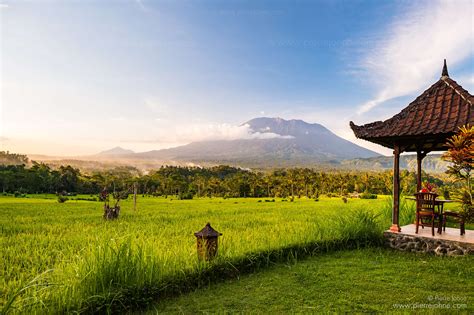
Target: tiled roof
(440,110)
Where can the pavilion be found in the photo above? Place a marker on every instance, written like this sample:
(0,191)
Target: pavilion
(422,127)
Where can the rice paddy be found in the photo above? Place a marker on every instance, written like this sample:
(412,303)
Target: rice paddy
(61,257)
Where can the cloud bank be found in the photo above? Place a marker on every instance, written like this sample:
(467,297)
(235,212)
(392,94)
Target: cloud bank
(412,50)
(204,132)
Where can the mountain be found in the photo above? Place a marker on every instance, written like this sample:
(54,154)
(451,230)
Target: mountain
(272,142)
(117,151)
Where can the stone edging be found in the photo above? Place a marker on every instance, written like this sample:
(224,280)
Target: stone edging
(420,244)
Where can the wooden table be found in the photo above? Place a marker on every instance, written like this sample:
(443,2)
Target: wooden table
(440,203)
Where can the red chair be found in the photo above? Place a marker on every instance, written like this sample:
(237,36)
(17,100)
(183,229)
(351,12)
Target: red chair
(426,211)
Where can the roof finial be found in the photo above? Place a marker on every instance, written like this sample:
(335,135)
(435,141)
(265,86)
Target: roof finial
(445,70)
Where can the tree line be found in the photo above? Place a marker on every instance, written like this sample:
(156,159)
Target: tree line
(218,181)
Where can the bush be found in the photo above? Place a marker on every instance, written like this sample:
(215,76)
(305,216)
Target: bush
(367,195)
(87,199)
(18,194)
(185,196)
(62,199)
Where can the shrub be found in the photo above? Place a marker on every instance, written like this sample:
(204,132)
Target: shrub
(62,199)
(367,195)
(461,156)
(185,196)
(87,199)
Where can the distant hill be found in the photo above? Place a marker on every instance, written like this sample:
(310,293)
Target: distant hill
(117,151)
(431,163)
(290,143)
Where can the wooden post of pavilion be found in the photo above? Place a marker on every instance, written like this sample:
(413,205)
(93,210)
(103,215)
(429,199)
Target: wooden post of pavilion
(423,126)
(396,190)
(419,159)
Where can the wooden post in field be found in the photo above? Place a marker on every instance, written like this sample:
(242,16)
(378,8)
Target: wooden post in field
(135,196)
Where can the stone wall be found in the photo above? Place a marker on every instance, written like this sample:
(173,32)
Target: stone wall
(419,244)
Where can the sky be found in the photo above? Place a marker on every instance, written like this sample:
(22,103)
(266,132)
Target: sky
(79,77)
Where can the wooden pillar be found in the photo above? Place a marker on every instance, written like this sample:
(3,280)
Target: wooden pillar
(418,170)
(419,158)
(396,190)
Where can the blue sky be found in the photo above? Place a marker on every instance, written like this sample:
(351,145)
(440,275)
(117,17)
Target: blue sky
(78,77)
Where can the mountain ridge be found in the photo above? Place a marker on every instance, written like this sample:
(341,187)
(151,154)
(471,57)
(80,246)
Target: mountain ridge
(116,151)
(294,140)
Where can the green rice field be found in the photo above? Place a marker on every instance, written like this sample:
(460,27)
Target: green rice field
(63,257)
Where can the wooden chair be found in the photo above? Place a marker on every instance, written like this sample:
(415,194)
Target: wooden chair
(426,209)
(457,217)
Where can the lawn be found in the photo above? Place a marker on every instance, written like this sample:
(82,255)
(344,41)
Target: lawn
(365,280)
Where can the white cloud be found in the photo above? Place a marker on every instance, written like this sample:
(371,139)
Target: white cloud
(411,52)
(201,132)
(4,6)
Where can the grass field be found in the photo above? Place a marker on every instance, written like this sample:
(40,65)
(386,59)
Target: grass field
(64,257)
(365,280)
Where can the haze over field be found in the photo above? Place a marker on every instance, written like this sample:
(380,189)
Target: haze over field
(270,143)
(78,78)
